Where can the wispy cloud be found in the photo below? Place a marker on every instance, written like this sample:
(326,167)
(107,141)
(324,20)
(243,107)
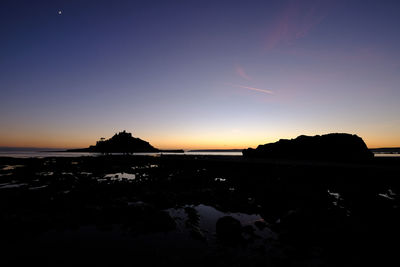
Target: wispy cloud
(241,72)
(254,89)
(295,21)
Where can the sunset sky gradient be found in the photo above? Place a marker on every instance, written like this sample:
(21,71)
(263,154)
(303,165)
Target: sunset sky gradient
(198,74)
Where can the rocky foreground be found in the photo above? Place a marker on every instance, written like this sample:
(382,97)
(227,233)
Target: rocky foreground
(193,211)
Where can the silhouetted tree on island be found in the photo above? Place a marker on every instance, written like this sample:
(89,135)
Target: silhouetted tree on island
(121,142)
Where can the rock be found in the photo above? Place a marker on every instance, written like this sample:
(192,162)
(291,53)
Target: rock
(249,234)
(260,224)
(335,146)
(162,221)
(146,218)
(197,234)
(228,229)
(248,229)
(193,216)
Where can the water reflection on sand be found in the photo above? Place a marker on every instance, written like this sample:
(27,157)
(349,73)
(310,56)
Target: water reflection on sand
(208,217)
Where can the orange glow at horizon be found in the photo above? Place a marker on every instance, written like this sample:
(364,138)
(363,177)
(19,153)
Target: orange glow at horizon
(168,142)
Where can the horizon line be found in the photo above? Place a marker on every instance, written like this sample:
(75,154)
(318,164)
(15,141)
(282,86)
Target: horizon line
(185,149)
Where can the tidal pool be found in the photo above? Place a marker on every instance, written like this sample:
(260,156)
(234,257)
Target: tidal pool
(119,176)
(208,217)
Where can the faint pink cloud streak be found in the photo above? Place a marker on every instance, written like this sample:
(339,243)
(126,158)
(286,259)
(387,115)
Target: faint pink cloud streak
(241,72)
(294,22)
(255,89)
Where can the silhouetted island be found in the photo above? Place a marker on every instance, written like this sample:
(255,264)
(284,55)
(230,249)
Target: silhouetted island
(199,210)
(121,142)
(334,146)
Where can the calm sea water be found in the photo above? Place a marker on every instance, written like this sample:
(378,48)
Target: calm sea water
(43,154)
(386,155)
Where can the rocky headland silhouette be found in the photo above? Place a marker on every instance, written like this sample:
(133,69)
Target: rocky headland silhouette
(122,142)
(334,146)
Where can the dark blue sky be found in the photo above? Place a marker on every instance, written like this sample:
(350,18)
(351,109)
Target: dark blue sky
(198,74)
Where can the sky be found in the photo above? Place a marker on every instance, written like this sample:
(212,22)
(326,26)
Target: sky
(198,74)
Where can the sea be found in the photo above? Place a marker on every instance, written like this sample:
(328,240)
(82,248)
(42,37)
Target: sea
(43,153)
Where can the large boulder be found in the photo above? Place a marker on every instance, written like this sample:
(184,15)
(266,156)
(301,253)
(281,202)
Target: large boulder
(334,146)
